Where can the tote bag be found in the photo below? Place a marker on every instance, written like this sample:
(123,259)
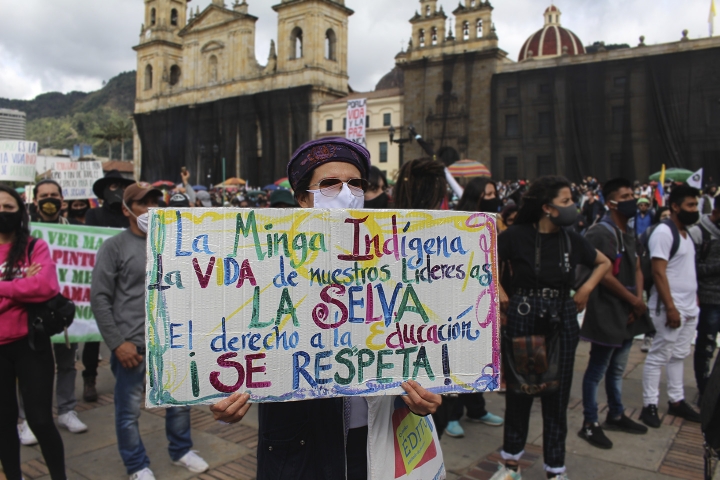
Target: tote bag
(402,445)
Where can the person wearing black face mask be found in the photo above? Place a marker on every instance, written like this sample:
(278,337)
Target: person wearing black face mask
(541,257)
(110,190)
(616,313)
(48,201)
(673,307)
(480,195)
(77,211)
(375,196)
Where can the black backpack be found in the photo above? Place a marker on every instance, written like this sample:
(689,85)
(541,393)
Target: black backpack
(48,318)
(643,251)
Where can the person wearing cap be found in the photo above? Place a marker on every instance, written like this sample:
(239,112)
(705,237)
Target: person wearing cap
(325,173)
(644,216)
(118,303)
(179,201)
(109,189)
(203,199)
(282,198)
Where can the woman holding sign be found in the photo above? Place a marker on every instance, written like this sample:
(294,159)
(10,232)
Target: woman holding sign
(542,332)
(24,281)
(332,438)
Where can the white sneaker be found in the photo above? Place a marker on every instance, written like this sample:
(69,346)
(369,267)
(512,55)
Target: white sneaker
(193,462)
(505,473)
(71,421)
(27,437)
(144,474)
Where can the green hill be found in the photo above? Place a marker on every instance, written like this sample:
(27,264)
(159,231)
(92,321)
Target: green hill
(61,120)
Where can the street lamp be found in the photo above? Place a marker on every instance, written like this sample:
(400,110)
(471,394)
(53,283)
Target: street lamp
(400,141)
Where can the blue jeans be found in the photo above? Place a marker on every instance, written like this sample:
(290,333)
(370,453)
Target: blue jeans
(128,399)
(609,362)
(707,331)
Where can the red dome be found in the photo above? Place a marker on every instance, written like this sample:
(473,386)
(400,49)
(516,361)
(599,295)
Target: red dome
(551,40)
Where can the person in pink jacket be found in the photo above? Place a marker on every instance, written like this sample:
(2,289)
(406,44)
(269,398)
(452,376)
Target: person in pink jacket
(25,281)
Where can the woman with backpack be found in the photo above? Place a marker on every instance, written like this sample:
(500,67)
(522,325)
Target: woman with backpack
(541,254)
(25,281)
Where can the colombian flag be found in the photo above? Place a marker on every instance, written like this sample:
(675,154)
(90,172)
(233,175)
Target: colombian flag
(660,190)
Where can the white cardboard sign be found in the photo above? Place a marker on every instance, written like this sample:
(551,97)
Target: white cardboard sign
(77,178)
(291,304)
(17,160)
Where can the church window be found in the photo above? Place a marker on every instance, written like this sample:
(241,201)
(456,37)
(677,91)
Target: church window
(427,10)
(148,77)
(345,123)
(387,119)
(479,29)
(174,75)
(545,165)
(330,45)
(511,168)
(472,3)
(544,123)
(512,126)
(618,117)
(329,125)
(433,36)
(383,152)
(213,68)
(421,42)
(466,30)
(152,16)
(174,17)
(296,43)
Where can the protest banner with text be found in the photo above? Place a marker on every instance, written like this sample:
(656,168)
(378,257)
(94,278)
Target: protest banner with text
(355,122)
(77,178)
(17,160)
(298,304)
(73,249)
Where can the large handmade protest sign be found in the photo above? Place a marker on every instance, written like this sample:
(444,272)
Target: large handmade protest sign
(77,178)
(298,304)
(73,249)
(17,160)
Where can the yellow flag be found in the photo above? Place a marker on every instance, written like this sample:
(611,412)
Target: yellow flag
(711,18)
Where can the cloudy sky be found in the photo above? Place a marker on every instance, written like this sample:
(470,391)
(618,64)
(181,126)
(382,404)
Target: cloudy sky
(65,45)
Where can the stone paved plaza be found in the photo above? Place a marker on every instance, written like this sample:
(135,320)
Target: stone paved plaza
(671,452)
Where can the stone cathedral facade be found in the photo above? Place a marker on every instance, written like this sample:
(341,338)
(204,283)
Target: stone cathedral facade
(202,96)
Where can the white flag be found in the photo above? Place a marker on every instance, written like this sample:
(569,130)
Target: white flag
(695,180)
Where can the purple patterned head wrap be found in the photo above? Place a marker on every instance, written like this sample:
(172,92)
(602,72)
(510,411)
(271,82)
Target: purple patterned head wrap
(319,152)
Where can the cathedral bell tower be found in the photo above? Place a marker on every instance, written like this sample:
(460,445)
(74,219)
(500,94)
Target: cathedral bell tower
(159,51)
(313,37)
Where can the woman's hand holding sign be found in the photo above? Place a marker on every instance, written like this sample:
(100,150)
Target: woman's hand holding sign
(231,409)
(420,401)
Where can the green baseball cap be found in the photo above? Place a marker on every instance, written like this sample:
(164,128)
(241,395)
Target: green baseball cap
(643,200)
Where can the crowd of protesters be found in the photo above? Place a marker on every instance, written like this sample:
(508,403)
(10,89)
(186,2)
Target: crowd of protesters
(604,231)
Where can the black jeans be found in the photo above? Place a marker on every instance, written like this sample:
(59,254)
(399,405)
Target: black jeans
(34,372)
(554,406)
(473,402)
(91,352)
(356,453)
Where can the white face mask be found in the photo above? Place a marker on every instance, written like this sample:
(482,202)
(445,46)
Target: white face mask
(345,199)
(142,220)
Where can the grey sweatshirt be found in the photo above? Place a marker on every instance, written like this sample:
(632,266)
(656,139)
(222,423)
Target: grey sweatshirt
(118,290)
(708,270)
